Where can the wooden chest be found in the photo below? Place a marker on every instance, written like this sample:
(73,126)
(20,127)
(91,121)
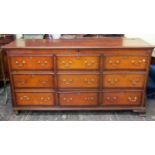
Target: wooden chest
(79,74)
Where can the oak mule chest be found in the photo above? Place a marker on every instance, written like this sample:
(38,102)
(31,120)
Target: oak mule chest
(79,74)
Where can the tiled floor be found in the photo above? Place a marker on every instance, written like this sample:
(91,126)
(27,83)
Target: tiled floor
(6,114)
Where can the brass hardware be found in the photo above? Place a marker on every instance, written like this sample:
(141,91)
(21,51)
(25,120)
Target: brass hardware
(67,64)
(133,61)
(89,63)
(70,62)
(42,63)
(138,62)
(117,62)
(89,98)
(108,98)
(25,98)
(134,82)
(45,99)
(43,82)
(20,64)
(24,62)
(48,98)
(114,98)
(68,99)
(68,81)
(113,81)
(89,81)
(111,98)
(114,63)
(110,62)
(133,99)
(144,60)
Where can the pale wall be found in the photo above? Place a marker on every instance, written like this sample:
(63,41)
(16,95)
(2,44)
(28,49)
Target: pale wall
(150,38)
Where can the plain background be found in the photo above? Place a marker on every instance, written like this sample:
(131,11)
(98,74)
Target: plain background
(134,17)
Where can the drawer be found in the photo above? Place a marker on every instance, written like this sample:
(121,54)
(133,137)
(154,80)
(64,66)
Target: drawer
(78,81)
(78,62)
(126,62)
(31,63)
(33,81)
(78,99)
(122,98)
(35,99)
(123,80)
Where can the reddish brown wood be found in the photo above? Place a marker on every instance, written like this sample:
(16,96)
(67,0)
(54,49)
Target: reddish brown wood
(33,81)
(79,43)
(78,99)
(123,80)
(122,99)
(31,63)
(34,99)
(80,74)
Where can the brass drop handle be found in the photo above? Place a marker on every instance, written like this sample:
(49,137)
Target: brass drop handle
(25,98)
(114,63)
(117,62)
(67,64)
(110,62)
(45,99)
(68,81)
(133,99)
(89,81)
(20,64)
(43,81)
(113,81)
(67,99)
(144,60)
(23,62)
(134,82)
(138,62)
(111,98)
(70,62)
(90,63)
(42,63)
(89,98)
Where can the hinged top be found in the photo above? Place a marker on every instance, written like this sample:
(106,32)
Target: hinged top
(83,43)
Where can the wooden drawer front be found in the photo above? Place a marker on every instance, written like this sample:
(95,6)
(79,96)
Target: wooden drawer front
(33,81)
(122,98)
(126,62)
(78,99)
(75,62)
(123,80)
(35,99)
(78,81)
(32,63)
